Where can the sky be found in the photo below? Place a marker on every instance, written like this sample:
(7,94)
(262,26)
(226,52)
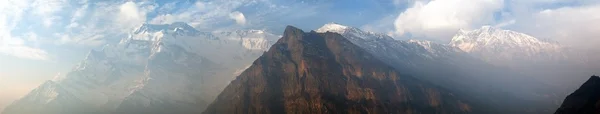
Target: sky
(44,39)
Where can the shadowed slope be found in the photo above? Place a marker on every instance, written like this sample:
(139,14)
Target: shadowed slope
(585,100)
(325,73)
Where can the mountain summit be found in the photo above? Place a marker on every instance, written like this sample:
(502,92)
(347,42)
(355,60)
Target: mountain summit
(491,37)
(505,47)
(325,73)
(357,33)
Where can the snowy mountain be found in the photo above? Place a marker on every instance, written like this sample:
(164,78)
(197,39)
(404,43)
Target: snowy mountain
(383,44)
(324,73)
(412,53)
(157,65)
(513,70)
(414,56)
(544,60)
(507,48)
(174,68)
(448,66)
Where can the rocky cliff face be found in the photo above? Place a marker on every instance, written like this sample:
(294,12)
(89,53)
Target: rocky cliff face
(585,100)
(325,73)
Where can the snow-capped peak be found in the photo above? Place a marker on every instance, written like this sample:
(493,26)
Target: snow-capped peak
(332,27)
(488,36)
(500,46)
(176,26)
(424,43)
(351,31)
(182,35)
(252,33)
(250,39)
(487,28)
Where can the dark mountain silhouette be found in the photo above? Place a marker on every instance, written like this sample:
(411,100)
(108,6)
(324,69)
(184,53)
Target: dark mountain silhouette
(585,100)
(325,73)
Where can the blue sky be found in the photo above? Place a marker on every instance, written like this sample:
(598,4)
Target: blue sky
(40,39)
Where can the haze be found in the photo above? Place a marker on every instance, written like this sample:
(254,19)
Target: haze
(43,40)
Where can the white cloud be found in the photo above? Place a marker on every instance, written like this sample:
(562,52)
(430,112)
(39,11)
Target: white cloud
(79,13)
(25,52)
(189,15)
(129,11)
(168,18)
(130,15)
(574,23)
(103,22)
(506,23)
(89,24)
(201,14)
(46,10)
(16,47)
(49,21)
(200,5)
(382,25)
(574,26)
(442,18)
(238,17)
(216,15)
(11,13)
(48,7)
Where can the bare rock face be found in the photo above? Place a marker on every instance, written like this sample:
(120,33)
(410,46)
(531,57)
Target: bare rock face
(585,100)
(325,73)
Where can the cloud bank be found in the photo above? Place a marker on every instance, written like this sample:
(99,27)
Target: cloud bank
(11,12)
(89,24)
(238,17)
(572,23)
(442,18)
(574,26)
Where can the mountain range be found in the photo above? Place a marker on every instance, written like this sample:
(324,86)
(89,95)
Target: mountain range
(507,48)
(156,66)
(450,67)
(318,73)
(174,68)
